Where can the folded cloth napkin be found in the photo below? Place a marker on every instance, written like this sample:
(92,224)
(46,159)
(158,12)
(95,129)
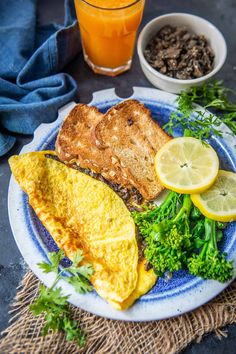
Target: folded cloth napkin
(31,57)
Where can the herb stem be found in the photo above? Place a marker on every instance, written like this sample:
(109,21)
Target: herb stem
(55,280)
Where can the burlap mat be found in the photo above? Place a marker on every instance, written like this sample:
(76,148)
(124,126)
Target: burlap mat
(107,336)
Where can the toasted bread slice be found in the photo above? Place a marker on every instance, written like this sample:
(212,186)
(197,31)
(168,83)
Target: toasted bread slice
(134,137)
(76,144)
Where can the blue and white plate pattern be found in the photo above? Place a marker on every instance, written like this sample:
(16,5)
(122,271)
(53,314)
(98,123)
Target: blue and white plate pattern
(180,294)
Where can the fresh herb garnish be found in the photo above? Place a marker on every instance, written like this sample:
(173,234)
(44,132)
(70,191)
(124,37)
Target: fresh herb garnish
(211,95)
(54,305)
(55,259)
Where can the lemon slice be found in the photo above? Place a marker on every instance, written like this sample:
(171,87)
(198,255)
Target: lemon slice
(186,165)
(219,202)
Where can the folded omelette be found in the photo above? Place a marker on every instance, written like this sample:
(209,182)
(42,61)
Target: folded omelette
(82,213)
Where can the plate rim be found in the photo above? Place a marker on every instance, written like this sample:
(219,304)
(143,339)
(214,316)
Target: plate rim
(146,310)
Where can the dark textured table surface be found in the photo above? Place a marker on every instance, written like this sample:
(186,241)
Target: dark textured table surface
(220,12)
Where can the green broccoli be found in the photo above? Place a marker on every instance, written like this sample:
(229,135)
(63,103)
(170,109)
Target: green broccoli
(209,263)
(145,220)
(169,241)
(174,233)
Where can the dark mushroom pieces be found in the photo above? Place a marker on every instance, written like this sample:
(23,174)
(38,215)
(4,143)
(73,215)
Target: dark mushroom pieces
(179,53)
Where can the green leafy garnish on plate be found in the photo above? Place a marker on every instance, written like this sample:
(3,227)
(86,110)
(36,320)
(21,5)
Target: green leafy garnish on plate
(55,259)
(80,274)
(211,95)
(54,305)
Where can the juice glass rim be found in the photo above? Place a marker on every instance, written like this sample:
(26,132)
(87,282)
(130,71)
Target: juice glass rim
(113,8)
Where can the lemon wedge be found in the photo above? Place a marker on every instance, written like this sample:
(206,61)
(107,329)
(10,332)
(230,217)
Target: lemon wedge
(219,202)
(186,165)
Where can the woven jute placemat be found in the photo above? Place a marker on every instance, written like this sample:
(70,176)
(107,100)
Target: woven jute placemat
(108,336)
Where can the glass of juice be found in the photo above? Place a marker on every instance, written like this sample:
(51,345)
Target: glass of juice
(108,31)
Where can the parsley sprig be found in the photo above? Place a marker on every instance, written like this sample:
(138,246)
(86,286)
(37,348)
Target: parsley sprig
(54,305)
(211,95)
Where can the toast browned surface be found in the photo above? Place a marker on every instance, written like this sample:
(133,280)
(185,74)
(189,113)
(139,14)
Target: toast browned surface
(134,137)
(120,145)
(76,144)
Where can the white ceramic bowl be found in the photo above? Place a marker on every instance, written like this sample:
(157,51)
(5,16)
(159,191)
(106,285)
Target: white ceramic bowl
(197,25)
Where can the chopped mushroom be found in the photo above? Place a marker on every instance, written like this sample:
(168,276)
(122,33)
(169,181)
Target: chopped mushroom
(178,53)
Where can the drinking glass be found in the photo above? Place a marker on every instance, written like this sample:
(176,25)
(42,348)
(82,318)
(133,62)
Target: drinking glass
(108,30)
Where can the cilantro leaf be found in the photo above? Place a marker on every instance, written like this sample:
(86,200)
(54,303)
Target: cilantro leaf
(80,284)
(78,257)
(53,305)
(74,332)
(85,270)
(49,299)
(55,259)
(46,267)
(80,274)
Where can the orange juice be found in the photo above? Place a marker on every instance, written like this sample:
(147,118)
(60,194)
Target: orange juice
(108,30)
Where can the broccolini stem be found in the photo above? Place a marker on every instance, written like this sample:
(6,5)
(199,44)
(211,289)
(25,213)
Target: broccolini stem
(165,204)
(168,200)
(210,227)
(210,237)
(188,133)
(185,210)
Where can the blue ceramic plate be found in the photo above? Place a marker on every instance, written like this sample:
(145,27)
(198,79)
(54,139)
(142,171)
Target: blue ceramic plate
(183,292)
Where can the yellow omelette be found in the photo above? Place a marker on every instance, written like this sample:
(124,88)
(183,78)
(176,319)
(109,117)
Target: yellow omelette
(82,213)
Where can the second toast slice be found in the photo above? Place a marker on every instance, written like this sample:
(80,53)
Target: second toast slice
(134,137)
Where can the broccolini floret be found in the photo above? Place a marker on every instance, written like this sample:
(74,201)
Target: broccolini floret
(209,263)
(174,233)
(169,241)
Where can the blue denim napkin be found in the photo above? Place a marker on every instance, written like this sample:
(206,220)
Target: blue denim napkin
(32,87)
